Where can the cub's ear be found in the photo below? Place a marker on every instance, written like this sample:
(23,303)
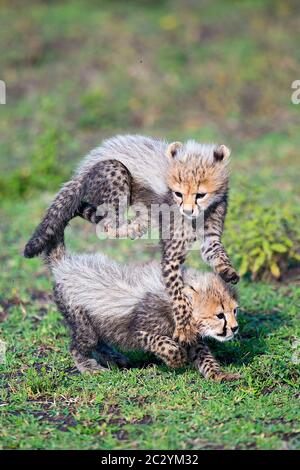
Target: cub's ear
(221,153)
(189,292)
(173,149)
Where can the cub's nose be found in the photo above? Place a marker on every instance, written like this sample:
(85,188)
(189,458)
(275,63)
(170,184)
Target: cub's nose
(234,329)
(189,213)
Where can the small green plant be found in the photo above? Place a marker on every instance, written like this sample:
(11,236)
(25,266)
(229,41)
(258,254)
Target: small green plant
(262,236)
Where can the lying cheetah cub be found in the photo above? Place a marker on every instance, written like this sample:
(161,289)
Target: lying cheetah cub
(109,304)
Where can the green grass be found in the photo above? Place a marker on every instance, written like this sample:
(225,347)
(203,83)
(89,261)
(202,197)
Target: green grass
(208,70)
(45,403)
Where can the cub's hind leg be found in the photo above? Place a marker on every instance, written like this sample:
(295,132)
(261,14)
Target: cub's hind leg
(115,196)
(164,347)
(84,336)
(134,228)
(107,193)
(203,360)
(84,342)
(106,182)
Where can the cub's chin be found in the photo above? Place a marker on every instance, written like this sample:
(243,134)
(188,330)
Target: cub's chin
(190,217)
(221,338)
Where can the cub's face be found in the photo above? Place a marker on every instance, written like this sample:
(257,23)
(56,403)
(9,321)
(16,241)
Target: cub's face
(198,175)
(214,311)
(218,321)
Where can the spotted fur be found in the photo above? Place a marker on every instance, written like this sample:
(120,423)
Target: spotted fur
(107,304)
(150,171)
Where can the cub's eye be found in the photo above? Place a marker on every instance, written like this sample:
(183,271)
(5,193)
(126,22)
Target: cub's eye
(178,194)
(200,196)
(221,316)
(235,311)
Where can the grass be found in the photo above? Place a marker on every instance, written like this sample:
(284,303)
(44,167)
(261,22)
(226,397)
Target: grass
(172,69)
(45,403)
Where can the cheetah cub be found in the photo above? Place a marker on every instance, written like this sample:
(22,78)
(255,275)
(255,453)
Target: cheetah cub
(108,304)
(191,177)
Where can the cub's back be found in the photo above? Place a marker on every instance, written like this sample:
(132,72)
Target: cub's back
(144,157)
(104,287)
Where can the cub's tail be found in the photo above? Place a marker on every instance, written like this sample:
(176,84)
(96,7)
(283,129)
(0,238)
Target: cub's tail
(61,211)
(55,252)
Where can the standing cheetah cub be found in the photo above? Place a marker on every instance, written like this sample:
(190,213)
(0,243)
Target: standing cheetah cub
(190,176)
(108,304)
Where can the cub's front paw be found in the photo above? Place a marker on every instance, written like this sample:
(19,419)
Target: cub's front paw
(113,231)
(186,334)
(135,230)
(230,275)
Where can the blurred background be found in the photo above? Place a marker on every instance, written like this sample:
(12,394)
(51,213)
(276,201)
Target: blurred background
(221,71)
